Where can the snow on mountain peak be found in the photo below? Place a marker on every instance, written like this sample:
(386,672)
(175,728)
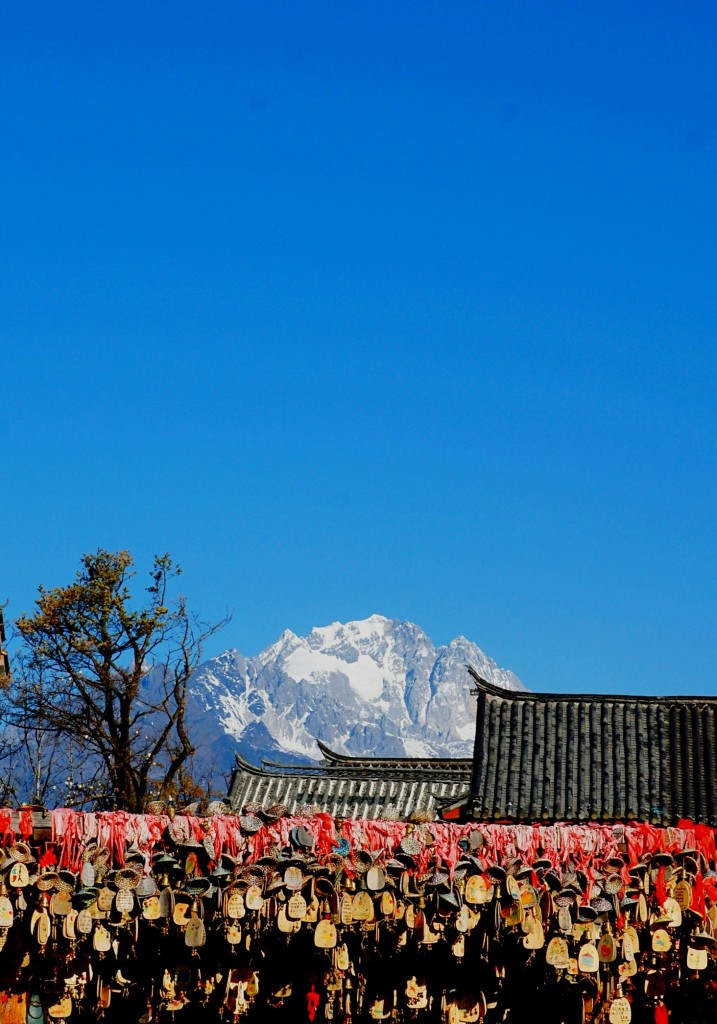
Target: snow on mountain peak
(358,630)
(315,666)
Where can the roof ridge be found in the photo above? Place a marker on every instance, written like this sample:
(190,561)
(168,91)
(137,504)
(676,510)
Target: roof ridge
(493,690)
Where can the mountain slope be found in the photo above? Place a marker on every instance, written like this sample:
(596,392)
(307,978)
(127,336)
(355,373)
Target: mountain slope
(375,686)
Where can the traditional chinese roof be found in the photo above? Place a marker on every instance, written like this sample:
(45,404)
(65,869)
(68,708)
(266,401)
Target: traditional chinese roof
(421,765)
(358,787)
(578,757)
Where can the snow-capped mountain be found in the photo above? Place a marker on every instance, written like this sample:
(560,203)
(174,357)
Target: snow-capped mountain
(376,686)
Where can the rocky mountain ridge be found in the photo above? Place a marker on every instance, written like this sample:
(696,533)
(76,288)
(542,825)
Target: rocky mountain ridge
(374,686)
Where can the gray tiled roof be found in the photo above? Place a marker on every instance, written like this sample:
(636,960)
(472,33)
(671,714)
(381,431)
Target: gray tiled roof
(354,787)
(574,757)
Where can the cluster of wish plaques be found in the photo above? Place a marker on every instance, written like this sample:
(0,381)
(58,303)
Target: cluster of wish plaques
(567,873)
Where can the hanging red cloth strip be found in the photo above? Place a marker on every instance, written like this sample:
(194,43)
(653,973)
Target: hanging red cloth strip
(710,888)
(6,825)
(47,859)
(698,904)
(325,832)
(65,832)
(26,824)
(312,1002)
(705,841)
(660,887)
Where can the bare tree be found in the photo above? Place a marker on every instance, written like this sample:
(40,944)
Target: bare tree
(109,680)
(40,766)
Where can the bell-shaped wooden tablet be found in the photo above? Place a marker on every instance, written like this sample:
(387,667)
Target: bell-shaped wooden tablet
(325,934)
(346,911)
(588,959)
(697,959)
(84,922)
(195,934)
(101,940)
(620,1011)
(151,909)
(7,914)
(362,906)
(296,906)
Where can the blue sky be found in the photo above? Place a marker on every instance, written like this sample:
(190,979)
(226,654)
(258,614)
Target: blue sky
(405,308)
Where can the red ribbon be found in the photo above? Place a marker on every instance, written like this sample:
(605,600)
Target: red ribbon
(6,824)
(698,904)
(312,1002)
(27,824)
(48,858)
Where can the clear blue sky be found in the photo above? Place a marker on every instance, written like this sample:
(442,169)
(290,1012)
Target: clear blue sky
(382,307)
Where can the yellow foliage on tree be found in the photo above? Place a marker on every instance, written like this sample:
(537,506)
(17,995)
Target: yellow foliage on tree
(111,677)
